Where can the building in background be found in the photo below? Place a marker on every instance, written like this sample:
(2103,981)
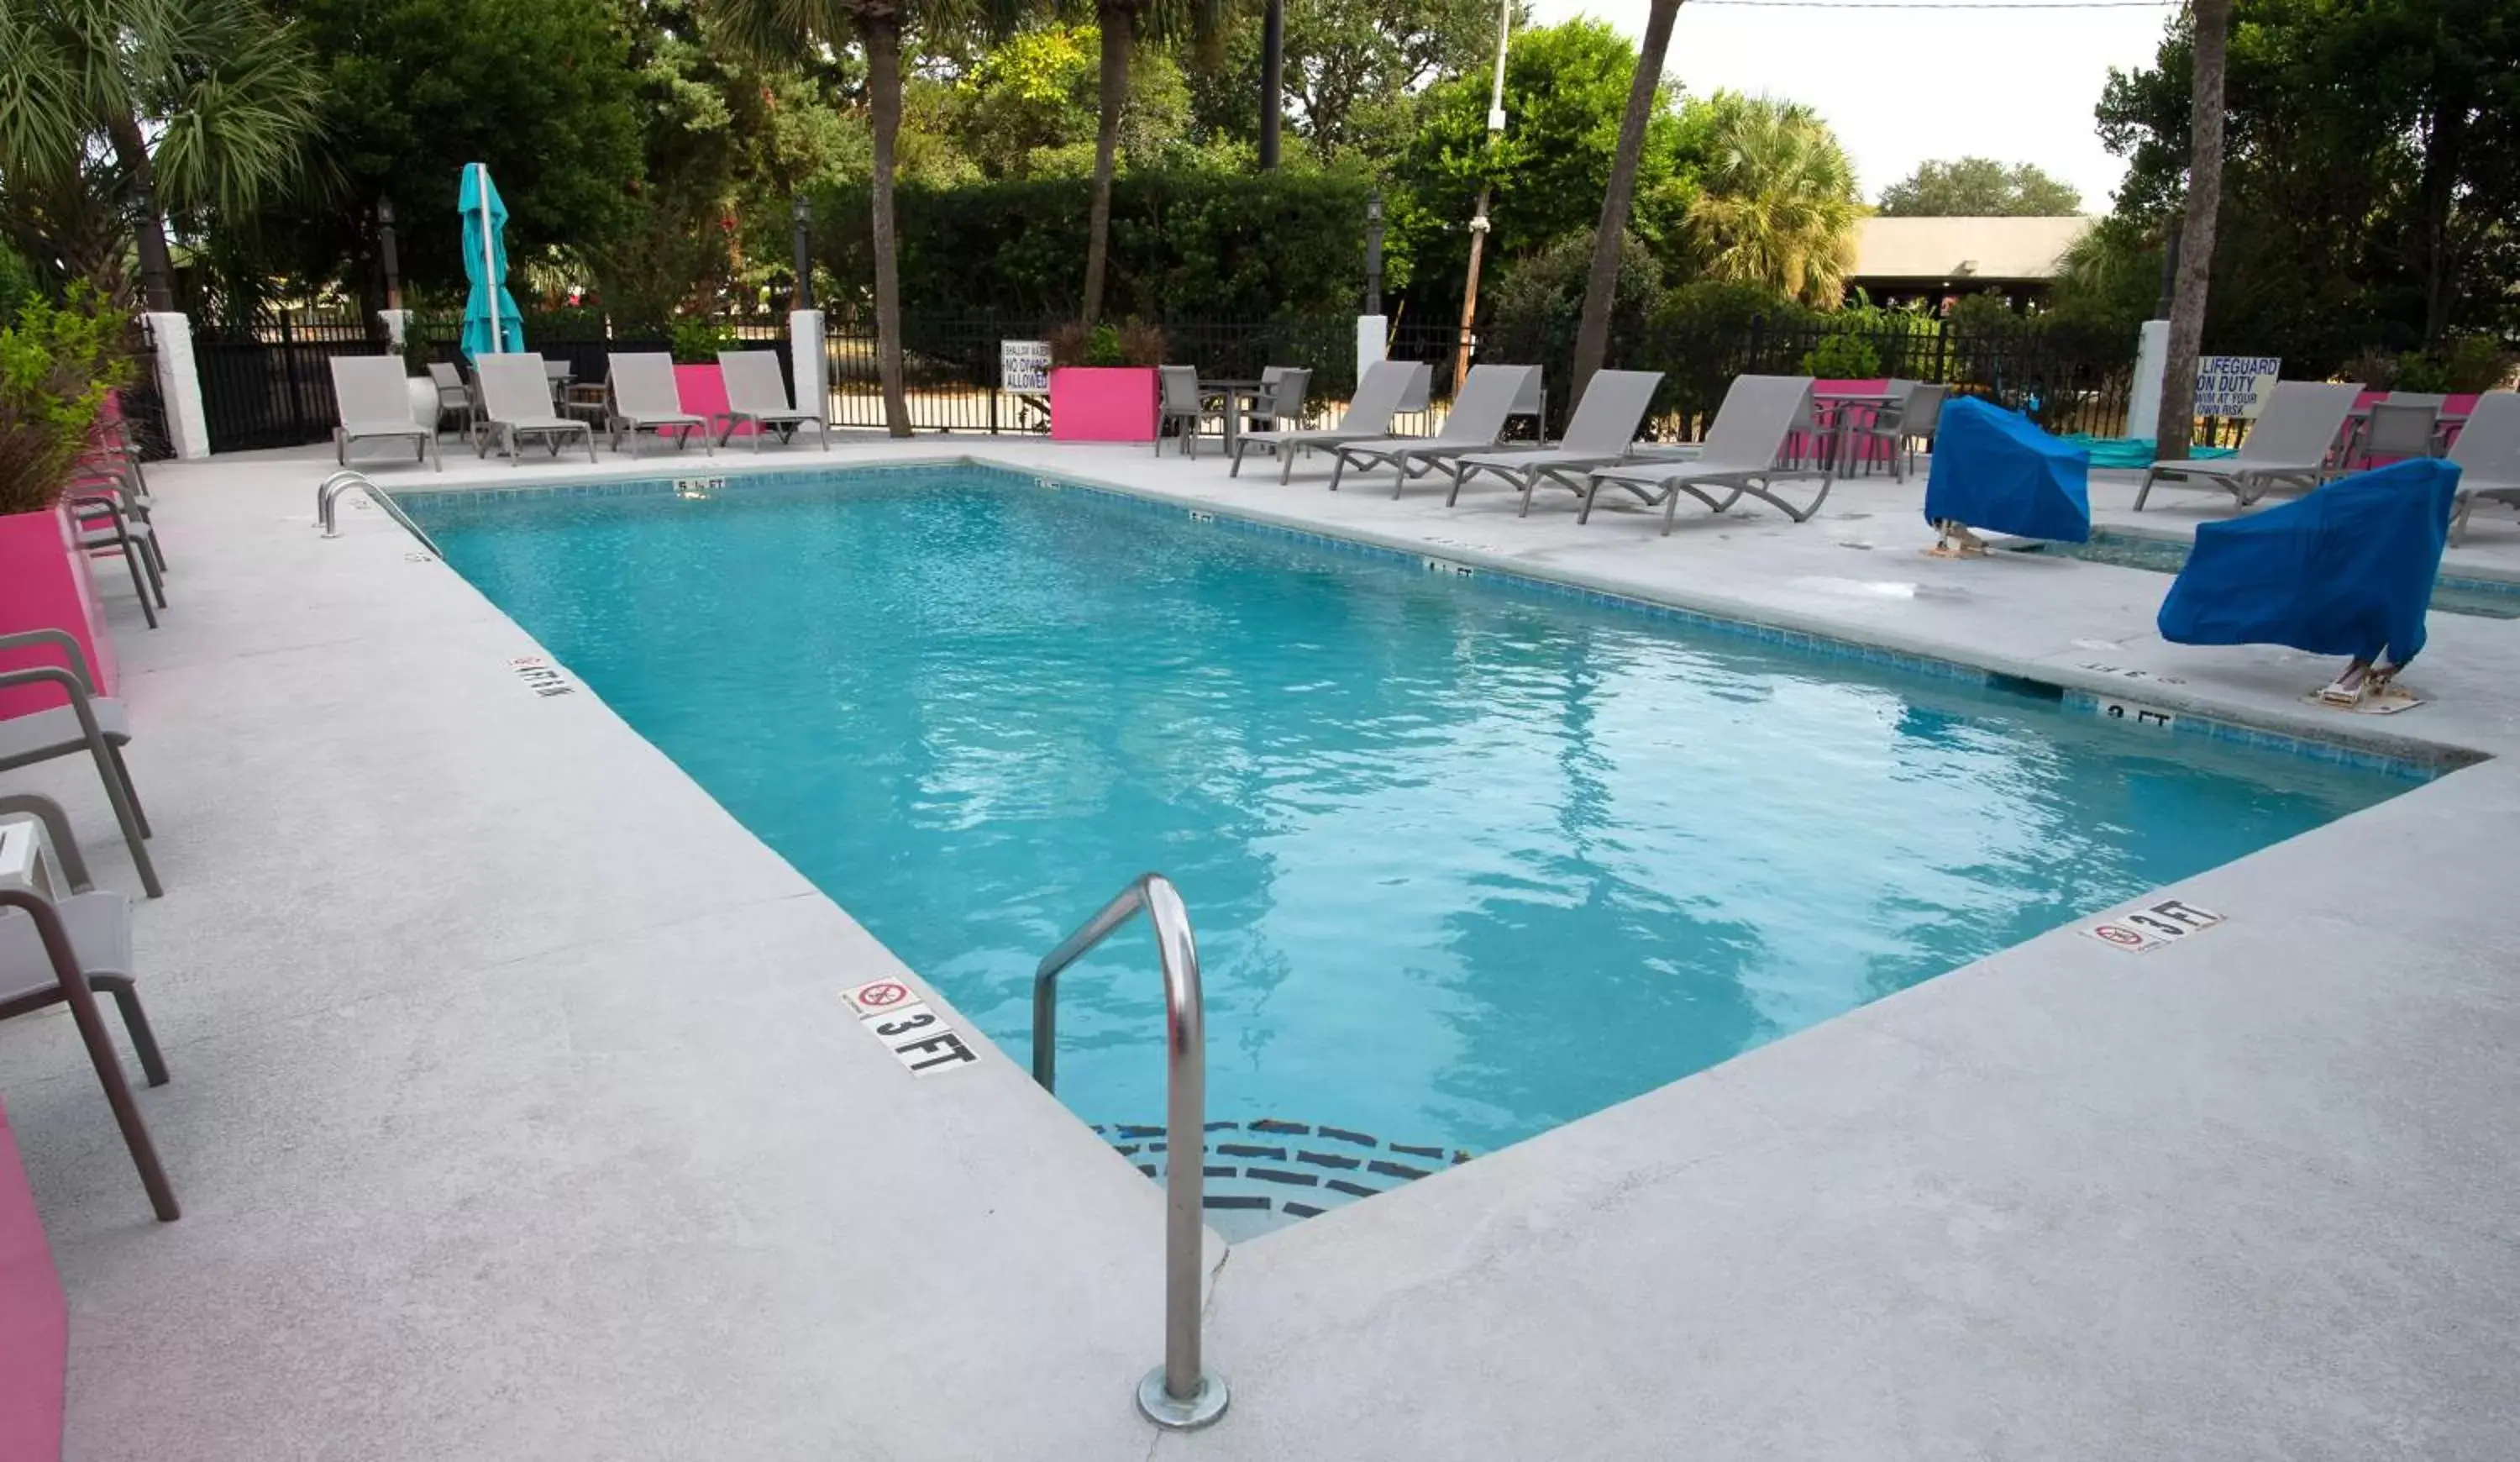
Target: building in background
(1940,260)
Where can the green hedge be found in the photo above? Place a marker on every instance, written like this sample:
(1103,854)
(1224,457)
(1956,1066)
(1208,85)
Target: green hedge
(1183,245)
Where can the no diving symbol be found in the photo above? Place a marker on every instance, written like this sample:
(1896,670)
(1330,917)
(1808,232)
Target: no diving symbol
(2123,938)
(881,994)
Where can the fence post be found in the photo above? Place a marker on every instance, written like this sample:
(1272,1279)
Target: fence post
(2151,366)
(1373,331)
(807,362)
(179,384)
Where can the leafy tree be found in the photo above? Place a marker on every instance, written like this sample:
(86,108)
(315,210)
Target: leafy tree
(1354,72)
(1593,339)
(1029,108)
(129,110)
(1120,23)
(1565,98)
(775,27)
(1778,204)
(540,90)
(1979,188)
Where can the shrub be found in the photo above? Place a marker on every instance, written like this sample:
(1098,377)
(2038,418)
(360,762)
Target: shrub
(1134,343)
(1536,311)
(1842,357)
(698,341)
(56,366)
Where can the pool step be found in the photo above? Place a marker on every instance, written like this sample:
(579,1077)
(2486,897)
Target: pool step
(1287,1171)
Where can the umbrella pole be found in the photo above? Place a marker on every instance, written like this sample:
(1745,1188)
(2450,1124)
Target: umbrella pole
(489,257)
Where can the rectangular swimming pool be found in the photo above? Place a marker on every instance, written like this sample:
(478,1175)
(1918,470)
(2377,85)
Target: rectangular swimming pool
(1468,859)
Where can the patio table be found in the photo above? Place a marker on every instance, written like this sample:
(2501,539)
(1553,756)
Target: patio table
(1236,394)
(1832,408)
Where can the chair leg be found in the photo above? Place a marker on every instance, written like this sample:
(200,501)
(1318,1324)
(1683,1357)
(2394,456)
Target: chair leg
(148,562)
(1338,466)
(117,1092)
(122,770)
(126,813)
(144,1041)
(139,584)
(2145,492)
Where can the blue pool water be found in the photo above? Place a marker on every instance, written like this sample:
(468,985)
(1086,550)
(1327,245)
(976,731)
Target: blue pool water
(1467,861)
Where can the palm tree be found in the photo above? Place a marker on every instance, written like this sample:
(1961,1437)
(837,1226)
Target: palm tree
(775,27)
(1645,93)
(2178,420)
(1778,205)
(141,107)
(1120,20)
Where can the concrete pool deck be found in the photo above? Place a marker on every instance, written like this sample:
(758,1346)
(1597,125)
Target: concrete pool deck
(516,1112)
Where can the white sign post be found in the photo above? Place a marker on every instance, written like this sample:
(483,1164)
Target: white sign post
(2235,385)
(1023,365)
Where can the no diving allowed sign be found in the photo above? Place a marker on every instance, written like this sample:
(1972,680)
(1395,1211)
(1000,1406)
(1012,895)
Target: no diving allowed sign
(913,1032)
(2141,931)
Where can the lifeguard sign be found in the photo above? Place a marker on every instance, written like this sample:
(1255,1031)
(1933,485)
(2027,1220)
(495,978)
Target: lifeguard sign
(2229,385)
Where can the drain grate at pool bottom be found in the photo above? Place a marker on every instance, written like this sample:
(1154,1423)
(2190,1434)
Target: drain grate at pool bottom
(1291,1168)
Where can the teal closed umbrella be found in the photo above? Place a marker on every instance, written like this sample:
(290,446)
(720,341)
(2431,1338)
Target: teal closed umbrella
(490,323)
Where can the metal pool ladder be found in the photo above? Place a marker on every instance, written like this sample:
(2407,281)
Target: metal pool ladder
(331,490)
(1176,1396)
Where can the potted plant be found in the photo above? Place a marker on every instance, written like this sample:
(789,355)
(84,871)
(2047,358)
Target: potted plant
(696,377)
(1102,382)
(58,365)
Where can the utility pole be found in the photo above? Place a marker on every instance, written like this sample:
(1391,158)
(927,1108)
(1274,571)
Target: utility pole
(393,257)
(1273,81)
(801,214)
(1479,217)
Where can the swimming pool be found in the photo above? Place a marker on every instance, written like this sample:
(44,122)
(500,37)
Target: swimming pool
(1467,859)
(2453,594)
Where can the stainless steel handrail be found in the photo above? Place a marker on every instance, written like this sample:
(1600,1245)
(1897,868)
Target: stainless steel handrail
(331,490)
(1177,1394)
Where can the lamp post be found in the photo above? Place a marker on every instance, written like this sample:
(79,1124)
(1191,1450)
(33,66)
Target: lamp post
(386,250)
(1374,252)
(801,214)
(1479,216)
(1273,81)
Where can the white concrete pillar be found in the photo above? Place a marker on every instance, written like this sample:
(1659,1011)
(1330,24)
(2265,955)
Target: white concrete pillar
(1373,333)
(2151,362)
(396,322)
(179,384)
(811,364)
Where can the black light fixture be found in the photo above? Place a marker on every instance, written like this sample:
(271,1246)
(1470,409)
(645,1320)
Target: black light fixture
(802,214)
(1374,252)
(392,261)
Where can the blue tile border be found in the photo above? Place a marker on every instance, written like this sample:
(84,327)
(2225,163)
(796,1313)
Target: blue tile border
(2186,724)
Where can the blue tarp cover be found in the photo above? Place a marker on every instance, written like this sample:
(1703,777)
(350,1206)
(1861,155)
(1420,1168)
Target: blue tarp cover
(1993,470)
(2346,570)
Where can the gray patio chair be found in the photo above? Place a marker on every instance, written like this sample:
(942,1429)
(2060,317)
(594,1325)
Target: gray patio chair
(1377,399)
(1281,405)
(1744,456)
(2288,447)
(1906,422)
(94,726)
(1490,397)
(106,526)
(454,397)
(515,405)
(374,405)
(1180,405)
(2400,423)
(557,375)
(1603,433)
(645,399)
(62,951)
(2487,454)
(755,393)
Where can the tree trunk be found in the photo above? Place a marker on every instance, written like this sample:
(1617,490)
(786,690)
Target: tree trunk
(1602,286)
(1118,35)
(131,153)
(2444,147)
(881,31)
(2176,428)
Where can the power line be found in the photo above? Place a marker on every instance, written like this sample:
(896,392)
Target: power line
(1945,4)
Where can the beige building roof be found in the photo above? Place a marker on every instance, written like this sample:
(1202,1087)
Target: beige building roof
(1957,250)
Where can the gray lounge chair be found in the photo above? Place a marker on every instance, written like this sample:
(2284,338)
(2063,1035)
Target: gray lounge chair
(374,403)
(1488,398)
(2487,454)
(2288,447)
(756,393)
(1377,399)
(1603,431)
(515,405)
(646,399)
(1744,456)
(62,950)
(91,724)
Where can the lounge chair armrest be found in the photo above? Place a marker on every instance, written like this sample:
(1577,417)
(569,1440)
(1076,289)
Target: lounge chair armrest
(57,824)
(59,639)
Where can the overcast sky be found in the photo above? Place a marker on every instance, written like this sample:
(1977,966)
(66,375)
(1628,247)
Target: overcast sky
(1903,87)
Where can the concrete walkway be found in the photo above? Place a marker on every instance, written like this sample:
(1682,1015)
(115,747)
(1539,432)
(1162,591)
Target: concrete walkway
(517,1114)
